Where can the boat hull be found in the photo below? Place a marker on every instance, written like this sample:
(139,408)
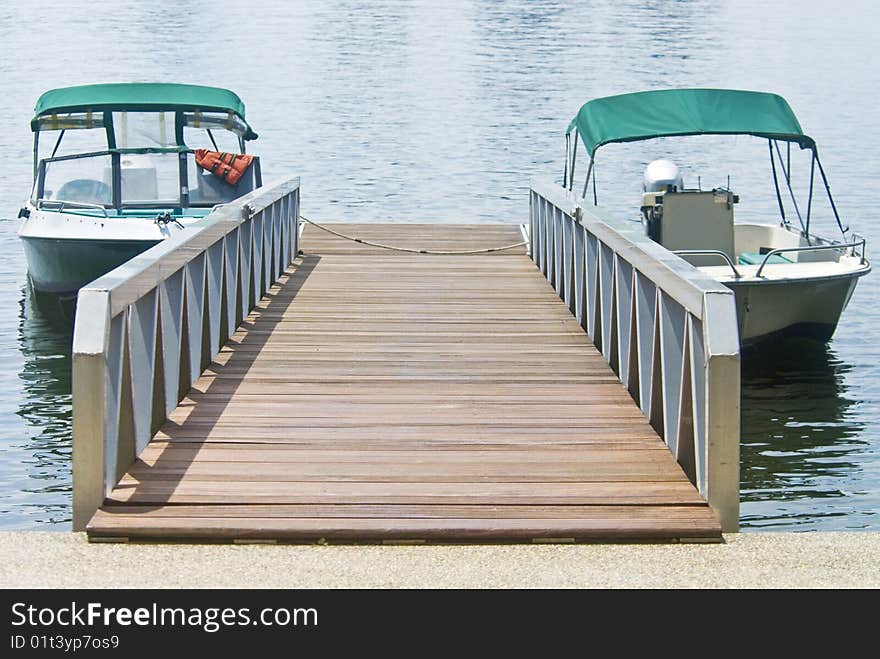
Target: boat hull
(769,310)
(64,265)
(67,250)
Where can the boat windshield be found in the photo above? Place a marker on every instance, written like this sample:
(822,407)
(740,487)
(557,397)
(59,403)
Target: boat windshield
(141,178)
(133,130)
(85,180)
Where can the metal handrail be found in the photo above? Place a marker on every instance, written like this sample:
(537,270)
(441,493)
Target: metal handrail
(667,330)
(709,252)
(61,203)
(813,248)
(120,151)
(145,331)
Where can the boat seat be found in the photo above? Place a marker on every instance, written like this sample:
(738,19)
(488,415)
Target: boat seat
(211,189)
(755,258)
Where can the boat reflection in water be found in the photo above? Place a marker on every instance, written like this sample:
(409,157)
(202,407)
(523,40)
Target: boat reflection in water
(45,337)
(800,440)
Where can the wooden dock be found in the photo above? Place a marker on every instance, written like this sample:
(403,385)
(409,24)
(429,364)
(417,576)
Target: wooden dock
(385,396)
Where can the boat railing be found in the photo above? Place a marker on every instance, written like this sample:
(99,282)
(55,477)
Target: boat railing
(816,248)
(860,241)
(710,252)
(61,204)
(667,330)
(144,332)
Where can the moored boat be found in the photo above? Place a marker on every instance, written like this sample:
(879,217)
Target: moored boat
(787,280)
(120,167)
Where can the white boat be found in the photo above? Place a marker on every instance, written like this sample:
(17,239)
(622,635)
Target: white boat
(788,281)
(120,167)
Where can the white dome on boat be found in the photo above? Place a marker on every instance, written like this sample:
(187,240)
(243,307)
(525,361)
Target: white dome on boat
(659,174)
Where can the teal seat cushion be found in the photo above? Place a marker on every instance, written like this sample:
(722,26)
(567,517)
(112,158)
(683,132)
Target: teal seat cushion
(754,258)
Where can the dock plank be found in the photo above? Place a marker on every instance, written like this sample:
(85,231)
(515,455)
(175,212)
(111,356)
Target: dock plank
(378,395)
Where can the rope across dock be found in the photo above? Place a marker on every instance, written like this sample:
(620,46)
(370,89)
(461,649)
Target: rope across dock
(410,250)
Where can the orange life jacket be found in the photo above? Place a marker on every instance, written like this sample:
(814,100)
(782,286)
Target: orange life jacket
(228,166)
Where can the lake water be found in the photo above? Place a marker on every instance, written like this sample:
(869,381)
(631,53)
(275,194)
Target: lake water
(441,112)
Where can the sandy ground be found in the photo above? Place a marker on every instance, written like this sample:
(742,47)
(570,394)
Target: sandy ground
(746,560)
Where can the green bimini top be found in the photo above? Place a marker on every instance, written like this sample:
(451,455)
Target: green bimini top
(677,112)
(140,96)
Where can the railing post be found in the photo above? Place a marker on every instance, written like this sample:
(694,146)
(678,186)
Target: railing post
(722,409)
(90,401)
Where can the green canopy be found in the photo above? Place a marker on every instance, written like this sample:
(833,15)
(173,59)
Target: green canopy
(144,96)
(671,112)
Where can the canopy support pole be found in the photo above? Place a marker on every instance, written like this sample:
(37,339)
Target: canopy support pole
(214,142)
(810,197)
(788,161)
(790,191)
(595,198)
(57,143)
(587,181)
(565,169)
(776,183)
(830,198)
(36,153)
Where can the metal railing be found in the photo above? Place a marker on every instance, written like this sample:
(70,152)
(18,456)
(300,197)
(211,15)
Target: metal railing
(710,252)
(814,248)
(145,331)
(61,205)
(667,330)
